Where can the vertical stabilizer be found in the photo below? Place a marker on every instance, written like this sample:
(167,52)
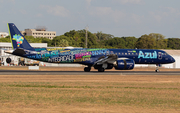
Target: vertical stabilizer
(17,39)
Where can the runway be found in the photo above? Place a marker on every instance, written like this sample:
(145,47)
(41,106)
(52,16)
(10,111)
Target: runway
(34,72)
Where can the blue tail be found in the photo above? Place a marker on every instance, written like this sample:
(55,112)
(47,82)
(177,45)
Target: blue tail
(17,39)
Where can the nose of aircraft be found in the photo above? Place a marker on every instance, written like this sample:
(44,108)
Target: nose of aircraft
(172,59)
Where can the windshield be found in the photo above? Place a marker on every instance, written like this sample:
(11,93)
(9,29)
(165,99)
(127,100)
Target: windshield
(165,54)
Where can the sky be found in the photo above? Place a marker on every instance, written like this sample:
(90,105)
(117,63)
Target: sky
(116,17)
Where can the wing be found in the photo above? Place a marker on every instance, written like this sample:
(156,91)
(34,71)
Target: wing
(105,60)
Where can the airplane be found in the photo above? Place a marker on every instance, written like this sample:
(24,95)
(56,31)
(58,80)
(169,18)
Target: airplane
(99,58)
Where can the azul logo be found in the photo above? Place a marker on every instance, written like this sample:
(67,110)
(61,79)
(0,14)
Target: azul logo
(148,55)
(19,39)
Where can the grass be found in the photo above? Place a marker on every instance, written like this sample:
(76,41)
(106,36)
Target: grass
(84,93)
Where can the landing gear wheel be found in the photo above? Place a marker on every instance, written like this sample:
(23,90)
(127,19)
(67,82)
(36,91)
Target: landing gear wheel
(8,60)
(101,69)
(87,69)
(157,70)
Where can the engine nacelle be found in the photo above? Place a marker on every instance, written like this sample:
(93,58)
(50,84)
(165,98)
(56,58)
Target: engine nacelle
(126,64)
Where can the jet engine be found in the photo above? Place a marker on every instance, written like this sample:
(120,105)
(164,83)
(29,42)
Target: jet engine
(126,64)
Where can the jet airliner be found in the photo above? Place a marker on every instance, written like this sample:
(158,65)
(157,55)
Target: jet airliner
(100,59)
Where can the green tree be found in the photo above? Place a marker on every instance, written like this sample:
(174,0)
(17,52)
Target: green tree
(161,43)
(92,40)
(145,42)
(30,39)
(63,43)
(115,42)
(6,39)
(47,40)
(70,33)
(130,42)
(77,38)
(103,36)
(173,43)
(58,40)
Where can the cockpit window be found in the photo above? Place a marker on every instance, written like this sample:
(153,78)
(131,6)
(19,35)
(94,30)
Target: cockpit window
(165,54)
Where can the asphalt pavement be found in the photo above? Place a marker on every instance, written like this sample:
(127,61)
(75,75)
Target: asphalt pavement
(37,72)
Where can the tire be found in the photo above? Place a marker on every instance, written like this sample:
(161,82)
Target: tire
(87,69)
(8,60)
(157,70)
(101,69)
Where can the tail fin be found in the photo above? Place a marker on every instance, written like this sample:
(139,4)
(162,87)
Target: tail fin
(17,39)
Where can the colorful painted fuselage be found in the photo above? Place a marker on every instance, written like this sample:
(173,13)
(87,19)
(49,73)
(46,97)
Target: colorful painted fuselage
(89,56)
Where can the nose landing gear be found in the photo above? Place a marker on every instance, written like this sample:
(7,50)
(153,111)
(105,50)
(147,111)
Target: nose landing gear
(157,68)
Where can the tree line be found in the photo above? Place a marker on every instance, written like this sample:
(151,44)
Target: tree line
(102,40)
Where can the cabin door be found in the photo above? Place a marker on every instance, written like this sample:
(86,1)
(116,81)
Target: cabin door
(159,55)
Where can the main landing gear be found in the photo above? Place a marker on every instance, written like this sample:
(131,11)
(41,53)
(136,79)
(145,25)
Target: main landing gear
(87,69)
(157,68)
(101,69)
